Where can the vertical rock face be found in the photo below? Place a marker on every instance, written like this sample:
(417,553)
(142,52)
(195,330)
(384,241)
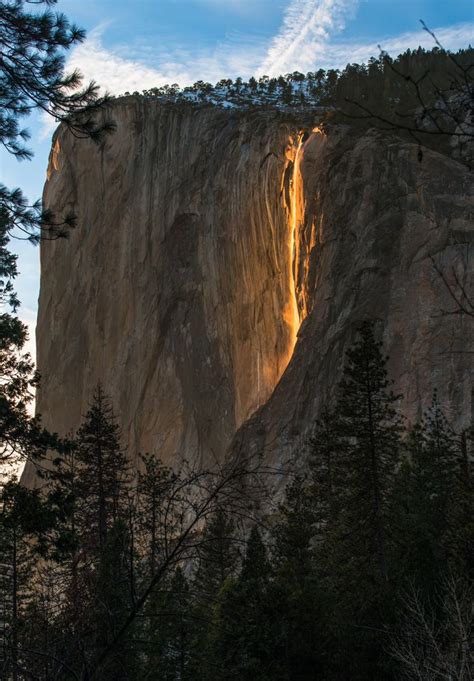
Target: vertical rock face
(204,234)
(173,292)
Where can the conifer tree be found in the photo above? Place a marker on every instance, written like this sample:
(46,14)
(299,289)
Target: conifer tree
(104,474)
(353,559)
(112,603)
(431,504)
(371,428)
(294,532)
(245,623)
(461,539)
(61,608)
(171,641)
(63,492)
(21,435)
(100,516)
(327,451)
(155,481)
(24,520)
(218,557)
(300,643)
(32,77)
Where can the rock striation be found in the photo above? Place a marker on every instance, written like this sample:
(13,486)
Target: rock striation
(206,237)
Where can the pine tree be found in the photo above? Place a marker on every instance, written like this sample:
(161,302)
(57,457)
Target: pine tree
(101,512)
(371,428)
(112,603)
(245,624)
(353,558)
(326,461)
(104,475)
(24,520)
(63,492)
(153,487)
(461,535)
(21,435)
(32,77)
(33,59)
(83,592)
(59,617)
(217,557)
(294,532)
(170,645)
(295,588)
(431,504)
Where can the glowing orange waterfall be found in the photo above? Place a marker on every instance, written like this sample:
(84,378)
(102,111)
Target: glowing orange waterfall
(296,196)
(292,315)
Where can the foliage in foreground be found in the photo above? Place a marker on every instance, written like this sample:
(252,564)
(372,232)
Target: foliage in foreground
(366,565)
(34,40)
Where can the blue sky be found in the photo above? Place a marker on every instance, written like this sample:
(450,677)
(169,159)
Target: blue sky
(140,43)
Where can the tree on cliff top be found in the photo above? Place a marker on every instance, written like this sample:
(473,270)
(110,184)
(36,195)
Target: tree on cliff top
(424,96)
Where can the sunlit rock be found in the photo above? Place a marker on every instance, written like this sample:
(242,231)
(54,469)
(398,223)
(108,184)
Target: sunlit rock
(206,237)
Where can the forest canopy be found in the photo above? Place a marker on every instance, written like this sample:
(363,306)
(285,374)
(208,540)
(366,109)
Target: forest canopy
(381,79)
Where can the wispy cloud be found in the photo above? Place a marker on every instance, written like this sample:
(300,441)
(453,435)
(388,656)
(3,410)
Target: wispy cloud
(304,35)
(236,55)
(339,54)
(113,71)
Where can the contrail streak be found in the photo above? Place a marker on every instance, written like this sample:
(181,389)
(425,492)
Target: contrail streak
(306,27)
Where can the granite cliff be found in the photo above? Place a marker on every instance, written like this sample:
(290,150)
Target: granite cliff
(221,265)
